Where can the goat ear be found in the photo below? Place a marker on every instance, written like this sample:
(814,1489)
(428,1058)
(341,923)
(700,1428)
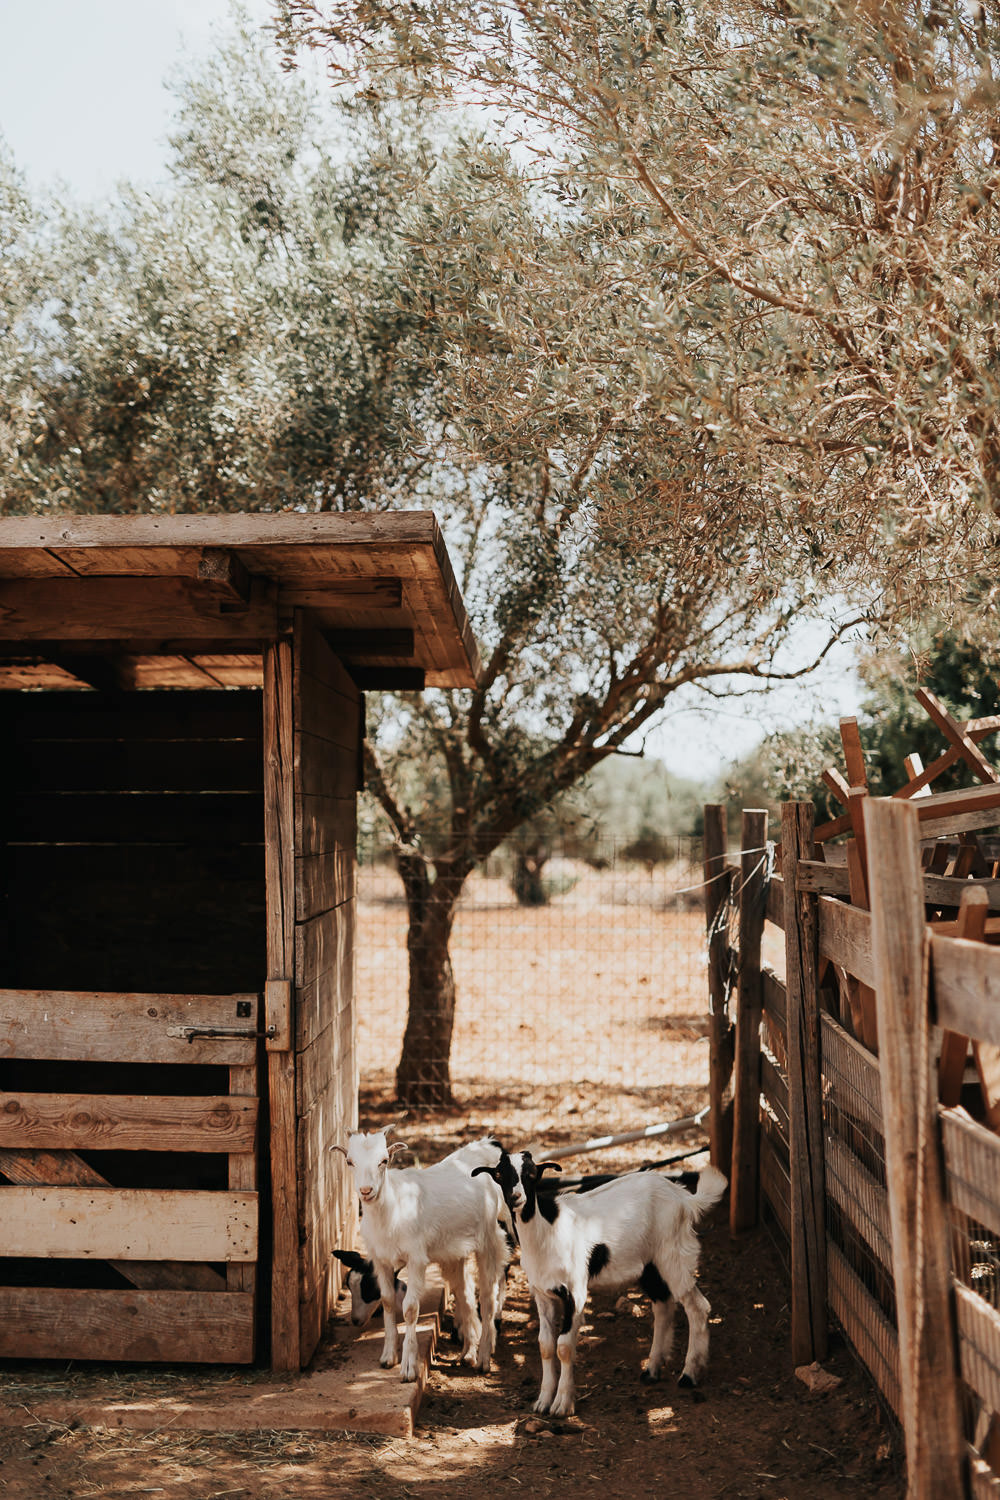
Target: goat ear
(341,1149)
(548,1166)
(350,1258)
(398,1146)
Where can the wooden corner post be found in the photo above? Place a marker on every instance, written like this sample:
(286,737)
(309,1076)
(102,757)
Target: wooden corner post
(745,1177)
(720,1026)
(279,832)
(928,1360)
(805,1102)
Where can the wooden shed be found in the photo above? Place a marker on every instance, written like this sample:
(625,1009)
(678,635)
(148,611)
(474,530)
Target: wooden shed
(182,725)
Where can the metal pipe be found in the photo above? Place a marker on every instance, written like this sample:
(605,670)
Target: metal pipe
(601,1142)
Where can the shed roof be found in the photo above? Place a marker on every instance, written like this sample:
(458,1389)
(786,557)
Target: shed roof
(187,600)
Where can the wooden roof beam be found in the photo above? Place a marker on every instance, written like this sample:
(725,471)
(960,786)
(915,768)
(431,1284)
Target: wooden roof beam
(223,568)
(351,644)
(114,608)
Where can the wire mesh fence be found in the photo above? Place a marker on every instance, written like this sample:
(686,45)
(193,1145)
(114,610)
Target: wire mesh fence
(580,1003)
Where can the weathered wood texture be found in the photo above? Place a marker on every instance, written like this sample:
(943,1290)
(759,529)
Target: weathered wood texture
(118,1122)
(845,937)
(327,728)
(805,1104)
(128,1224)
(744,1180)
(867,1327)
(195,580)
(60,1323)
(279,863)
(718,879)
(123,1028)
(931,1410)
(34,1168)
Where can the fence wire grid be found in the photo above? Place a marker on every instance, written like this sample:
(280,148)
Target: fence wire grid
(583,1014)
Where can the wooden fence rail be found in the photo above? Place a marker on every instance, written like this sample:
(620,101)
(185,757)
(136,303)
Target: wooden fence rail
(825,1080)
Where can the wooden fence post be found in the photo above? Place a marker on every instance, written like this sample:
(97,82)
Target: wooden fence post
(928,1344)
(720,1026)
(745,1177)
(805,1102)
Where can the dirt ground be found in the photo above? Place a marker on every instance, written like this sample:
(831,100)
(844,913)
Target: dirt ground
(757,1434)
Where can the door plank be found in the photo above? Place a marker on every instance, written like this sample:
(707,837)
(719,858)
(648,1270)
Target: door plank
(50,1168)
(76,1026)
(175,1326)
(105,1223)
(125,1122)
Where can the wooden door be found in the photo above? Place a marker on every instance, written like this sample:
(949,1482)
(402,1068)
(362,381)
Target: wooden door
(128,1176)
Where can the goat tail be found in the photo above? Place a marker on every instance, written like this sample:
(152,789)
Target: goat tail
(711,1185)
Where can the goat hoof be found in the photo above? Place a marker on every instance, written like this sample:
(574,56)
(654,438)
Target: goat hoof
(648,1376)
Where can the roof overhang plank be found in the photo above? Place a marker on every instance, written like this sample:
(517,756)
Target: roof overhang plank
(113,608)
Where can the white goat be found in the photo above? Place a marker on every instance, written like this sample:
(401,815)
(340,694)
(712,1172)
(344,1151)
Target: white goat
(433,1215)
(638,1229)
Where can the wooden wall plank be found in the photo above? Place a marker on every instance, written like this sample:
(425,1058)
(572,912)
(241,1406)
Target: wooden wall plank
(721,1032)
(182,1327)
(279,793)
(124,1122)
(805,1104)
(80,1223)
(774,1182)
(52,1168)
(845,937)
(867,1327)
(979,1345)
(88,1027)
(928,1363)
(244,1083)
(324,882)
(966,978)
(744,1179)
(972,1164)
(320,824)
(863,1201)
(328,725)
(115,608)
(774,997)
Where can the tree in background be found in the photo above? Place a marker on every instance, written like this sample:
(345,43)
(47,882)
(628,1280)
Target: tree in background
(401,309)
(796,208)
(722,321)
(964,674)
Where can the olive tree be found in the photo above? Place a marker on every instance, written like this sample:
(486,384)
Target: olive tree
(381,306)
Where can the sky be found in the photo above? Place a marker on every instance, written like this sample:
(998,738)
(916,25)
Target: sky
(83,103)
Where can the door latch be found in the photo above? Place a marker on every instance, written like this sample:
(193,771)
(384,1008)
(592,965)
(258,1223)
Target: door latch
(190,1032)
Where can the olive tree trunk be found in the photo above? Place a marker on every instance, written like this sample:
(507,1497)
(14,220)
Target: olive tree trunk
(423,1077)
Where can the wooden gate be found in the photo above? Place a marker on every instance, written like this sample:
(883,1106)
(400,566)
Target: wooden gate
(128,1176)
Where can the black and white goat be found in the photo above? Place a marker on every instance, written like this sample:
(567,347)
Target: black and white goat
(362,1284)
(636,1230)
(437,1215)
